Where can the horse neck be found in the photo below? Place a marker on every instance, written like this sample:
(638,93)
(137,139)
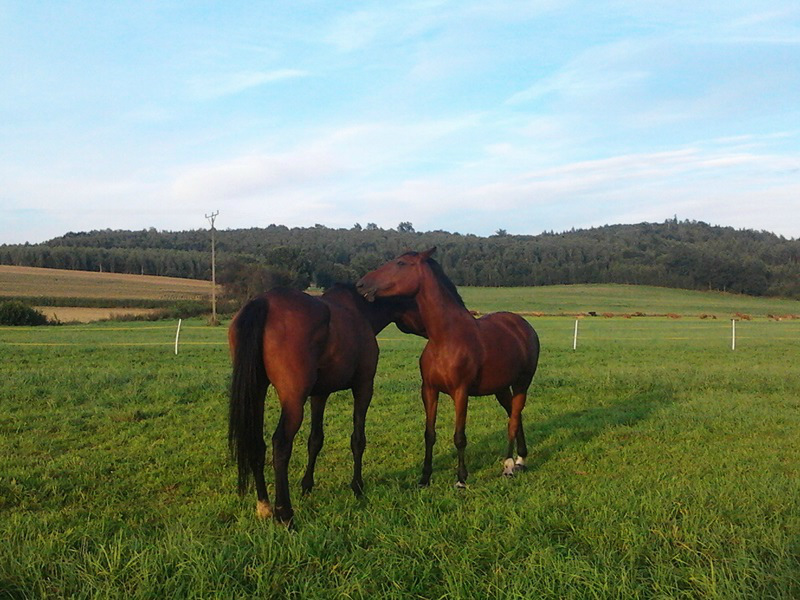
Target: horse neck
(343,295)
(379,315)
(439,310)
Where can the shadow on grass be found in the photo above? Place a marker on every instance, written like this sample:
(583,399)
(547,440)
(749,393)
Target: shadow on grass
(545,439)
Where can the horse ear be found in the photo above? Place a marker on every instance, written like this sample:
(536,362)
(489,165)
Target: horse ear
(427,254)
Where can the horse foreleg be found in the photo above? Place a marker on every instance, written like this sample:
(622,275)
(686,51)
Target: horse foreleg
(315,440)
(461,398)
(362,396)
(282,440)
(430,399)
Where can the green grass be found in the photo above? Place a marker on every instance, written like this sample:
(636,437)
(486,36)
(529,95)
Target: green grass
(620,299)
(663,465)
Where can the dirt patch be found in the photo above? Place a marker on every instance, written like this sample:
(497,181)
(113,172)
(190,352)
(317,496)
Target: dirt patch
(70,314)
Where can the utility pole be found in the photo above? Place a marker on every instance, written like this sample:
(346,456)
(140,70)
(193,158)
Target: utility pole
(211,218)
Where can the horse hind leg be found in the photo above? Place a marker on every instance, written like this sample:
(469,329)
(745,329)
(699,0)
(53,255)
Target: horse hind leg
(263,507)
(515,423)
(282,440)
(504,398)
(257,461)
(461,399)
(362,396)
(513,403)
(315,440)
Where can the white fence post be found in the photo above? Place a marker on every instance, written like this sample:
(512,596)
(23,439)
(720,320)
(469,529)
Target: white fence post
(575,337)
(177,335)
(733,334)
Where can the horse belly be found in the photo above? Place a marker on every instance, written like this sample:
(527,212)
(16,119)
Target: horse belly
(505,352)
(333,379)
(350,352)
(495,378)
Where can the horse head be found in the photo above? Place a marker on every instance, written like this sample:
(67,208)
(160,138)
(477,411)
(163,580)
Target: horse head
(398,277)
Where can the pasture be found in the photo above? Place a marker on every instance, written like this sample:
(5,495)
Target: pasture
(663,465)
(623,299)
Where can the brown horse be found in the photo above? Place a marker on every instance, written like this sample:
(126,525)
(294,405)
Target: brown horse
(304,346)
(496,354)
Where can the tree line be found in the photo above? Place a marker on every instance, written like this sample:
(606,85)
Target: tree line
(681,254)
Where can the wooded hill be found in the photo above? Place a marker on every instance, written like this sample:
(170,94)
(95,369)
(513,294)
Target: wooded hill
(681,254)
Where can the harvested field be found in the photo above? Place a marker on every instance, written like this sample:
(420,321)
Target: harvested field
(37,282)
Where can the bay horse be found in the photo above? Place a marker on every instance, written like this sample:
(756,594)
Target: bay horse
(304,346)
(495,354)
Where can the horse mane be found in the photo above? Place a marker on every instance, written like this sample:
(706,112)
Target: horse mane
(349,287)
(443,279)
(351,290)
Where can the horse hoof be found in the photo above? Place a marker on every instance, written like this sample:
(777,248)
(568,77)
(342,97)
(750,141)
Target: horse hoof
(284,516)
(518,468)
(460,485)
(263,510)
(508,467)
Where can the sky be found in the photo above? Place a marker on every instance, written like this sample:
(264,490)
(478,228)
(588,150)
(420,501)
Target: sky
(467,116)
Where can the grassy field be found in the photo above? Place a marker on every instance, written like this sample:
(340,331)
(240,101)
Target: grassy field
(663,465)
(85,288)
(623,299)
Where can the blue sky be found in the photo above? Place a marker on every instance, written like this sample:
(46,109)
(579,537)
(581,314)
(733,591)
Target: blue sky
(464,116)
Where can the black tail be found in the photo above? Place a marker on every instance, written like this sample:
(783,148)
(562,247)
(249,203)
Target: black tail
(248,388)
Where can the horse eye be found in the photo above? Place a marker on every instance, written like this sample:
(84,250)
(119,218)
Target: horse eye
(401,263)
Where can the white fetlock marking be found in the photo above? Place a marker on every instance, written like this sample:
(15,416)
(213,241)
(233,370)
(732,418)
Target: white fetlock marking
(263,509)
(508,466)
(460,485)
(520,461)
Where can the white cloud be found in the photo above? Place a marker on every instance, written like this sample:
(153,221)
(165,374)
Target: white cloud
(701,183)
(229,84)
(248,176)
(354,152)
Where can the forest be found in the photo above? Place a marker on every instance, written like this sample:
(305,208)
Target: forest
(680,254)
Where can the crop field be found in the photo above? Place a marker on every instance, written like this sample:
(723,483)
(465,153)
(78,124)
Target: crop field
(663,465)
(85,296)
(88,289)
(33,281)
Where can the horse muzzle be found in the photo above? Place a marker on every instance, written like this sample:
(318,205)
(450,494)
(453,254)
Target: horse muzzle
(366,290)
